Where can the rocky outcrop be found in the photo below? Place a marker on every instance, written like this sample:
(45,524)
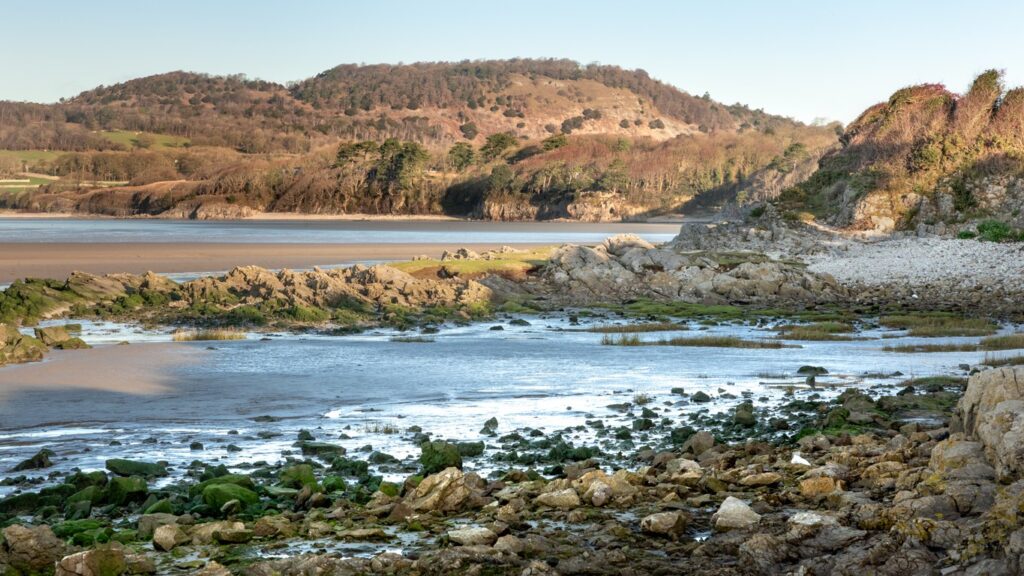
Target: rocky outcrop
(16,347)
(992,412)
(626,267)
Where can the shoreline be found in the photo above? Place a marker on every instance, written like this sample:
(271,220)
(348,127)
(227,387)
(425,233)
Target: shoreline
(58,260)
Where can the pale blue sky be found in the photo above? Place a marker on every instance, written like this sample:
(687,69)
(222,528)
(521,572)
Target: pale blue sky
(794,57)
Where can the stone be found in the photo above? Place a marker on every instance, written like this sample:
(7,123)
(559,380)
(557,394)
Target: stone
(985,390)
(148,523)
(123,467)
(204,533)
(472,536)
(699,443)
(734,514)
(363,534)
(123,490)
(273,526)
(31,550)
(52,335)
(1001,432)
(298,477)
(438,455)
(564,499)
(39,461)
(762,479)
(232,536)
(168,537)
(819,486)
(446,491)
(744,415)
(509,544)
(106,560)
(217,495)
(665,523)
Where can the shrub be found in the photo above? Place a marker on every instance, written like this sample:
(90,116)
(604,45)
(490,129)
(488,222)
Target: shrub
(966,235)
(995,231)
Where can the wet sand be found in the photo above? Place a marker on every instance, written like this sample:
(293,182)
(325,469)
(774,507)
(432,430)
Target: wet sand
(136,369)
(57,260)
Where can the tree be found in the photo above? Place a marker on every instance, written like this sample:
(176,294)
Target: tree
(144,141)
(461,156)
(469,130)
(501,179)
(350,152)
(497,144)
(554,142)
(614,178)
(400,164)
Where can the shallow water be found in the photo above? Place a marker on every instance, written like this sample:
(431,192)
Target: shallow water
(540,376)
(321,231)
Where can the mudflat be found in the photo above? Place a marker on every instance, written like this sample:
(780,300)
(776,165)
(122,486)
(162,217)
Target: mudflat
(57,260)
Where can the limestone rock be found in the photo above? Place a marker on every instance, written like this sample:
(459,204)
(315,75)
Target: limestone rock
(109,560)
(564,499)
(472,536)
(665,523)
(734,514)
(168,537)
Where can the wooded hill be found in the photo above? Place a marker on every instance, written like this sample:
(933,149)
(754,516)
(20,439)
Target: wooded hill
(498,139)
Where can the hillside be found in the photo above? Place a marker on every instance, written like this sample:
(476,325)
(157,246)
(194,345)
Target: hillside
(926,157)
(509,139)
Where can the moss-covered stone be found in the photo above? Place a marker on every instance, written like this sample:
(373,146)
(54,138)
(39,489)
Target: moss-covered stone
(123,490)
(123,467)
(217,495)
(438,455)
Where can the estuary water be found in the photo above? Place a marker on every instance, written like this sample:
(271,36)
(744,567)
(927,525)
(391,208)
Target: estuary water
(246,400)
(41,230)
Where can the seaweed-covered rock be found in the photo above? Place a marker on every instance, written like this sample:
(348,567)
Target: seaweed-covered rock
(217,495)
(123,467)
(438,455)
(32,550)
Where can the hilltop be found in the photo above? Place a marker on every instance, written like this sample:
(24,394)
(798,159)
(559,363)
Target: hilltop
(508,139)
(927,159)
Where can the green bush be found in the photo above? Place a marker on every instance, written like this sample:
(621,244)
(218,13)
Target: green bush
(966,235)
(995,231)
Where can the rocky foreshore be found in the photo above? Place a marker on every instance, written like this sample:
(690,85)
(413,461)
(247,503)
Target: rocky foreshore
(888,496)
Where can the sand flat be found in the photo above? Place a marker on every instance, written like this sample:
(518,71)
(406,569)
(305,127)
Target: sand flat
(138,369)
(57,260)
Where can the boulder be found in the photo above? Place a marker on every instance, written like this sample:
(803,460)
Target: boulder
(217,495)
(52,335)
(564,499)
(761,479)
(205,533)
(437,456)
(122,490)
(446,491)
(1001,432)
(107,560)
(984,391)
(819,486)
(472,536)
(665,523)
(148,523)
(123,467)
(39,461)
(734,514)
(168,537)
(32,550)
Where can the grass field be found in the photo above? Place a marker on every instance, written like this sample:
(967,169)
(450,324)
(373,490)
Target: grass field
(514,263)
(128,139)
(32,184)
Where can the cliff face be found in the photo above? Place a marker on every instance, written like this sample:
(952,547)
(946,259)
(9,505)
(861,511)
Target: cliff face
(926,155)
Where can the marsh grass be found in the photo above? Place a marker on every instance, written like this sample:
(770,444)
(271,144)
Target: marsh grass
(636,328)
(211,334)
(939,324)
(1004,361)
(699,341)
(837,331)
(642,399)
(992,343)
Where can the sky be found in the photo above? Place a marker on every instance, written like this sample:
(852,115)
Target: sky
(826,59)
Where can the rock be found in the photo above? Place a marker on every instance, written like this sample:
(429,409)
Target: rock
(762,479)
(734,514)
(203,534)
(985,390)
(31,550)
(437,456)
(168,537)
(473,536)
(273,526)
(665,523)
(217,495)
(820,486)
(52,335)
(122,490)
(232,536)
(509,544)
(213,568)
(744,415)
(298,477)
(39,461)
(598,494)
(1001,432)
(700,397)
(699,443)
(564,499)
(122,467)
(446,491)
(322,449)
(107,560)
(148,523)
(961,460)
